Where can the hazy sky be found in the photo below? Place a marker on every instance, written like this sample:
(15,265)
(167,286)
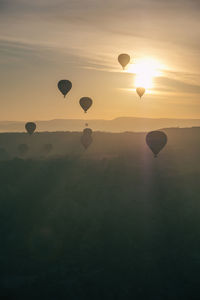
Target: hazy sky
(42,41)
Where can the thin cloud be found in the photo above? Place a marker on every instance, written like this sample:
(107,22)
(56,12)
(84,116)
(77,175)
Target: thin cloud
(90,34)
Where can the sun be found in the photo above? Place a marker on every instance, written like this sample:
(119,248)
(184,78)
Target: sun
(145,69)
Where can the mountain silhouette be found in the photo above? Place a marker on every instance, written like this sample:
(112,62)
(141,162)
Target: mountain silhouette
(115,125)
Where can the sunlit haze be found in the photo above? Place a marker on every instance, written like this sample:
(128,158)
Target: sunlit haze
(44,41)
(145,70)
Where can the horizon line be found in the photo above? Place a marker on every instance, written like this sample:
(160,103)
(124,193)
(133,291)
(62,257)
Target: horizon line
(99,119)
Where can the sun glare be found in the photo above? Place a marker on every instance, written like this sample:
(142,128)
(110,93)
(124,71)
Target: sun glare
(145,70)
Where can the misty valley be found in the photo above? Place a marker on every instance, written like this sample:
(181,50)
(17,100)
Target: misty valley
(109,222)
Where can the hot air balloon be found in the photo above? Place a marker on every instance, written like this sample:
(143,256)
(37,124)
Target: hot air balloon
(124,59)
(30,127)
(64,86)
(140,91)
(86,140)
(156,140)
(85,103)
(87,131)
(23,149)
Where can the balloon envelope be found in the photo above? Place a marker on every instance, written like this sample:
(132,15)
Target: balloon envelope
(86,140)
(140,91)
(30,127)
(156,140)
(64,86)
(124,59)
(85,103)
(87,131)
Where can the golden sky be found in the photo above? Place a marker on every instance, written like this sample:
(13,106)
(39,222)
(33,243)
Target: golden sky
(43,41)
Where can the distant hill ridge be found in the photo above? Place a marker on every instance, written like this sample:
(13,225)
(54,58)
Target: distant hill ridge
(120,124)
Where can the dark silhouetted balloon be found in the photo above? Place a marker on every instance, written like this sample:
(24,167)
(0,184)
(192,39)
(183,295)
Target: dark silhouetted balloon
(87,131)
(48,148)
(140,91)
(85,103)
(124,59)
(64,86)
(156,140)
(30,127)
(86,124)
(86,140)
(23,149)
